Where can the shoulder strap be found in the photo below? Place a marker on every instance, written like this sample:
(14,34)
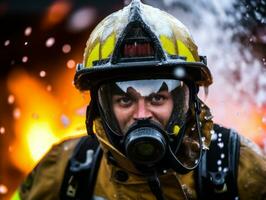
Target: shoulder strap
(217,172)
(81,171)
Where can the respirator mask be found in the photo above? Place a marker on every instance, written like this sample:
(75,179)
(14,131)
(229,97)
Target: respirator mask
(146,120)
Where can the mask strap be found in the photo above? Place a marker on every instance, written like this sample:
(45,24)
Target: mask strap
(155,186)
(176,164)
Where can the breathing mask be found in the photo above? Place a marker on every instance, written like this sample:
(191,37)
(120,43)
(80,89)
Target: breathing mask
(145,120)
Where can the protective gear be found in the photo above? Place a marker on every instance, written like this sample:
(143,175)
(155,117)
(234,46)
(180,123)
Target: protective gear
(110,184)
(128,49)
(131,42)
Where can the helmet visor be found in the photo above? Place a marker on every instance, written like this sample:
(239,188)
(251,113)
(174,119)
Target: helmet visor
(161,100)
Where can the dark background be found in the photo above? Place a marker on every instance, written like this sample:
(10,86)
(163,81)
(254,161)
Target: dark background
(16,16)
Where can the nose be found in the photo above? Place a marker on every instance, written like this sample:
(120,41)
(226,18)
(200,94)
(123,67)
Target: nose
(142,111)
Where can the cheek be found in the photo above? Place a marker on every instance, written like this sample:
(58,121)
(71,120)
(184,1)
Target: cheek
(124,117)
(163,113)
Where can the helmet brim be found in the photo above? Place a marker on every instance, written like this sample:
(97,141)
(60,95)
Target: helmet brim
(89,78)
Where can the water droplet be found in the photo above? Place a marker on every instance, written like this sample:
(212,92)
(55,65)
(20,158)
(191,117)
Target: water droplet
(219,139)
(11,99)
(219,169)
(219,162)
(164,171)
(42,73)
(88,16)
(221,145)
(2,130)
(71,64)
(258,15)
(220,135)
(50,42)
(25,43)
(28,31)
(16,113)
(214,136)
(225,169)
(180,72)
(7,42)
(66,48)
(209,117)
(222,155)
(65,120)
(3,189)
(25,59)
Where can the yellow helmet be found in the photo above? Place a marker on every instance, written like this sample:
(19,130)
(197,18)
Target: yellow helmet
(140,35)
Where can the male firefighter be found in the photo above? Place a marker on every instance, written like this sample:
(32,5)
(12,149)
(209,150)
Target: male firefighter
(149,135)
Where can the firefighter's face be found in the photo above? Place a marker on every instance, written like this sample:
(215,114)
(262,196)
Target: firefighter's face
(131,106)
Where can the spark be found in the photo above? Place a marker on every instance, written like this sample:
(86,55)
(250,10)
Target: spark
(2,130)
(50,42)
(11,99)
(25,59)
(3,189)
(71,64)
(66,48)
(16,113)
(28,31)
(49,88)
(42,73)
(7,42)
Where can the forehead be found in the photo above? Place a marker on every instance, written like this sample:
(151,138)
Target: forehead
(147,87)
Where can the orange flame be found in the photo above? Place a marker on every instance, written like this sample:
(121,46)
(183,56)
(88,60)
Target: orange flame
(45,117)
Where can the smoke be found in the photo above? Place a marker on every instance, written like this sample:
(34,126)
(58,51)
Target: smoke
(229,33)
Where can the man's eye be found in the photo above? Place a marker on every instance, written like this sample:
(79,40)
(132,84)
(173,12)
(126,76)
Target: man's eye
(124,101)
(157,99)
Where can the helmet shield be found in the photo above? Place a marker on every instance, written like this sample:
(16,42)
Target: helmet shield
(164,101)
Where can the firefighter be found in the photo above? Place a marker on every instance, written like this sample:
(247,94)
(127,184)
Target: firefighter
(149,135)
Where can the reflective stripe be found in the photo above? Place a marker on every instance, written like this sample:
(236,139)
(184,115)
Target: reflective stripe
(16,196)
(168,45)
(93,56)
(108,46)
(176,129)
(184,51)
